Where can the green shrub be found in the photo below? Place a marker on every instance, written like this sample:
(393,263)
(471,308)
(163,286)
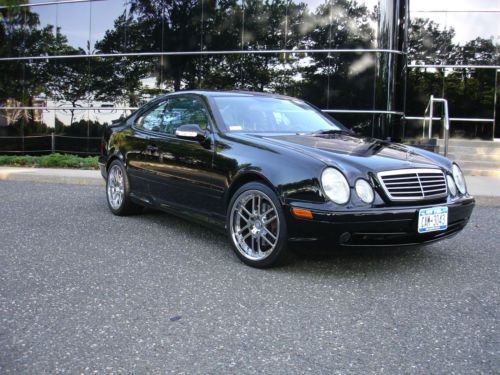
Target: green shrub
(50,161)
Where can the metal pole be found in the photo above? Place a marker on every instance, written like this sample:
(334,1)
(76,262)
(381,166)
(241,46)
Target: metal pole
(446,127)
(53,142)
(431,114)
(424,120)
(495,105)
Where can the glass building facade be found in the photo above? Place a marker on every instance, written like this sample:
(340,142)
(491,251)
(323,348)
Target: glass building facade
(69,67)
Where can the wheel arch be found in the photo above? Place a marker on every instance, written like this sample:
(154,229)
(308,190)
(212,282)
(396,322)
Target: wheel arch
(114,156)
(244,178)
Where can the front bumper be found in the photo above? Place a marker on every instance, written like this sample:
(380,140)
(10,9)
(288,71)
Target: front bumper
(394,226)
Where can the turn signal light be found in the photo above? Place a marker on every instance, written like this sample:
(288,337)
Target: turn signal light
(300,212)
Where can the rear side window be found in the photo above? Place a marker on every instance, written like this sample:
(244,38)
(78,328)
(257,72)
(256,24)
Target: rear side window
(153,119)
(167,116)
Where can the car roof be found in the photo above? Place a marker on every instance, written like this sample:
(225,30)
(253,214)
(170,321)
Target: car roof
(226,93)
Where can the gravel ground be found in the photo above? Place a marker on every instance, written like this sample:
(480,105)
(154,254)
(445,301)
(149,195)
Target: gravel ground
(83,291)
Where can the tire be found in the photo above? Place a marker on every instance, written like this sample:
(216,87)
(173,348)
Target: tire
(118,191)
(256,226)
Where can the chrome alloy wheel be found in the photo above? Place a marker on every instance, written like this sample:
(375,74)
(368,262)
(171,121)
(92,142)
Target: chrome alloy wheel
(254,225)
(116,187)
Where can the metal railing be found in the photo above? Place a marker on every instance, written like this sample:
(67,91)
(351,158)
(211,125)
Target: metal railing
(445,119)
(50,144)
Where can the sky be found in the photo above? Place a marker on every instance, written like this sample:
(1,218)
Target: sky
(77,19)
(467,25)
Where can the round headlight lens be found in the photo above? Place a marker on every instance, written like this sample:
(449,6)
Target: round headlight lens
(364,191)
(451,185)
(335,185)
(459,178)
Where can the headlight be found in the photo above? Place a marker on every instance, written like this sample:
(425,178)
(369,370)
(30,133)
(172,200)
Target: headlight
(459,178)
(364,191)
(335,185)
(451,185)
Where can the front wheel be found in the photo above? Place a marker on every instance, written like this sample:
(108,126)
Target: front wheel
(118,189)
(256,226)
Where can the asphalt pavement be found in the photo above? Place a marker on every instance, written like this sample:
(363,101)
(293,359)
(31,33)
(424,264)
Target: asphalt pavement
(83,291)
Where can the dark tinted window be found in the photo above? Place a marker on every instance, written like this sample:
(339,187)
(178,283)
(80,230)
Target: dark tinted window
(183,111)
(154,119)
(167,116)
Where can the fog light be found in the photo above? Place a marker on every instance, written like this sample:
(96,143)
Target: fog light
(452,188)
(364,191)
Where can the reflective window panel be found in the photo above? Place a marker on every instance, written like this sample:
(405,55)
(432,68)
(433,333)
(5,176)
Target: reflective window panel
(361,123)
(123,82)
(222,25)
(470,92)
(73,23)
(108,17)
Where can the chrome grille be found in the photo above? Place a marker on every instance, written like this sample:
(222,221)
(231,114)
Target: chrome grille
(413,184)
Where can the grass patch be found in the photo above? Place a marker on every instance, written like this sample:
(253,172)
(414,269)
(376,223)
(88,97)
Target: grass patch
(50,161)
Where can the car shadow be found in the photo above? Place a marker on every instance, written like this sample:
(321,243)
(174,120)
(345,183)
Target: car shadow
(313,255)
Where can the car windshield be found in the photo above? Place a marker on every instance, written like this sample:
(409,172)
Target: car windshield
(268,114)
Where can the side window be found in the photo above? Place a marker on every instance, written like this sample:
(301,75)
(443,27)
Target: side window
(153,119)
(182,111)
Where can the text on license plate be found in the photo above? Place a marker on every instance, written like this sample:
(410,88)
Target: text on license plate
(432,219)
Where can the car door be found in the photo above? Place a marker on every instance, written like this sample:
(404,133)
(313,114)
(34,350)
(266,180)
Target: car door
(183,171)
(141,155)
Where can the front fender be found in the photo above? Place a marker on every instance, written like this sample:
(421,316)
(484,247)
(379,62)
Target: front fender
(290,174)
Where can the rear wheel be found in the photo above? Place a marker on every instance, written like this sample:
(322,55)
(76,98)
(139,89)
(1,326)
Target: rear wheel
(256,226)
(118,190)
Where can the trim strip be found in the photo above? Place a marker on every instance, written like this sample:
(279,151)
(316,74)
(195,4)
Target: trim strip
(368,111)
(456,11)
(75,108)
(29,5)
(202,53)
(453,66)
(464,119)
(360,111)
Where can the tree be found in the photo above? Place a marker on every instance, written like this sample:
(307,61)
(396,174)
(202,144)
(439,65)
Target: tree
(343,24)
(118,79)
(71,81)
(20,35)
(429,44)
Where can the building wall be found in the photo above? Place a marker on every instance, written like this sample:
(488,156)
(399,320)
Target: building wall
(91,62)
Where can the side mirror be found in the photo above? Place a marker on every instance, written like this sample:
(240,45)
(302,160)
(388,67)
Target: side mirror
(191,131)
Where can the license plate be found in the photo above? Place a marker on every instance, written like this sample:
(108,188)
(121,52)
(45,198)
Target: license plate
(432,219)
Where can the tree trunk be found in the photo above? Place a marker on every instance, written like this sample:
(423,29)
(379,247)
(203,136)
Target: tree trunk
(177,82)
(72,113)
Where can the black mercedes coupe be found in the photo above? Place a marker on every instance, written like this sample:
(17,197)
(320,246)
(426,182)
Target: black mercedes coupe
(269,169)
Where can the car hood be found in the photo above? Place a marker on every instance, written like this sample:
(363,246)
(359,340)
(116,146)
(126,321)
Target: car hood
(365,154)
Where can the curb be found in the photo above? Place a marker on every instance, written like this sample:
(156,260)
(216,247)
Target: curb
(53,176)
